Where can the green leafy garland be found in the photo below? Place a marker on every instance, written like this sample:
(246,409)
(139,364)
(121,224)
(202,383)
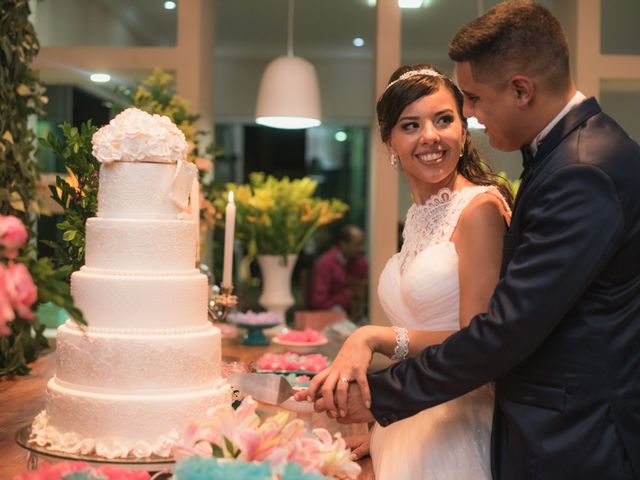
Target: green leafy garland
(21,95)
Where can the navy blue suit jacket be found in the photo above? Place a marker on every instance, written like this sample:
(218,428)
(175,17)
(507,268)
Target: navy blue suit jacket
(561,338)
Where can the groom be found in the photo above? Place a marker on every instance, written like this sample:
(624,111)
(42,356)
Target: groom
(561,338)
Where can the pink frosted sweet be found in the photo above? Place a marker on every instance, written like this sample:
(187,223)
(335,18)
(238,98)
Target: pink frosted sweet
(288,361)
(63,470)
(254,318)
(308,335)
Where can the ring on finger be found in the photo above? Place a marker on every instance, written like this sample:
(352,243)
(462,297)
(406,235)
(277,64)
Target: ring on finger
(344,379)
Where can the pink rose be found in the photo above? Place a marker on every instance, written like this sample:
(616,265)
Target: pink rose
(22,291)
(6,310)
(13,235)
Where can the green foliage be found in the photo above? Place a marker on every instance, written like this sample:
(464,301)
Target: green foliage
(156,94)
(514,185)
(231,448)
(21,347)
(78,195)
(53,285)
(20,95)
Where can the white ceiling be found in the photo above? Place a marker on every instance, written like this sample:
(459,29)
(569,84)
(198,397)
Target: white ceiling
(249,33)
(322,28)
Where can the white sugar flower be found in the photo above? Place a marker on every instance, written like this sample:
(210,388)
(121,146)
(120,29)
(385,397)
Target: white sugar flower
(107,152)
(133,148)
(162,447)
(70,442)
(86,446)
(111,448)
(134,135)
(141,450)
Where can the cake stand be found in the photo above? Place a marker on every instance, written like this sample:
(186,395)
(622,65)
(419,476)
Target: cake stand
(159,468)
(255,334)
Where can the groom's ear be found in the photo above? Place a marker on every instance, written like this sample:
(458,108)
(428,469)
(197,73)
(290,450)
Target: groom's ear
(522,88)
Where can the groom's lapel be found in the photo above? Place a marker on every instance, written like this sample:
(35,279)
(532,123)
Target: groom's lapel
(558,133)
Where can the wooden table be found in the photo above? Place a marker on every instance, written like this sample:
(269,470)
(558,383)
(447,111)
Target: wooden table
(22,398)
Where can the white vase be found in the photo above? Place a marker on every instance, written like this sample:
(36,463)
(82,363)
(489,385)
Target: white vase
(276,294)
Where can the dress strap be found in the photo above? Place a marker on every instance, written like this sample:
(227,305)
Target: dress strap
(461,200)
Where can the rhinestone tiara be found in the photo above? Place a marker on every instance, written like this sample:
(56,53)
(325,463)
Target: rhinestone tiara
(412,73)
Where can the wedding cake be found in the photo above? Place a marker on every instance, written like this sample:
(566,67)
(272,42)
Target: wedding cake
(148,364)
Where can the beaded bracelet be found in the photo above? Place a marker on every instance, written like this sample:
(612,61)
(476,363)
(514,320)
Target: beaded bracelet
(401,350)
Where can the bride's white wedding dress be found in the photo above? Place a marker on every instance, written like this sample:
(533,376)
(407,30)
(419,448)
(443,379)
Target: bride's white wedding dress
(419,289)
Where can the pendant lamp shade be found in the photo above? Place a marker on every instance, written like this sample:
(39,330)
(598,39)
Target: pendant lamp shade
(288,96)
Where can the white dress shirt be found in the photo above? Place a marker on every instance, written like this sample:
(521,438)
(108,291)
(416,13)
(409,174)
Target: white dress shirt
(576,100)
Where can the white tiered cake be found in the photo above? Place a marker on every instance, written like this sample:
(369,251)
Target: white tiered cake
(149,362)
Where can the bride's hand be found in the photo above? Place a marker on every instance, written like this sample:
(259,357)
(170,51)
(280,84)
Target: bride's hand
(359,445)
(350,365)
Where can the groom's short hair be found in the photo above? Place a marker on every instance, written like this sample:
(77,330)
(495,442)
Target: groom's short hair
(513,37)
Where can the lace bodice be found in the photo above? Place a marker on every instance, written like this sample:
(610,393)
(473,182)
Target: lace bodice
(419,286)
(435,220)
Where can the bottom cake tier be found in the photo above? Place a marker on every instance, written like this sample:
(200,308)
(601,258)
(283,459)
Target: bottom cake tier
(86,422)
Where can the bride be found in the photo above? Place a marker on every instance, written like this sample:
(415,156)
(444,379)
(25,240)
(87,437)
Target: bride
(444,275)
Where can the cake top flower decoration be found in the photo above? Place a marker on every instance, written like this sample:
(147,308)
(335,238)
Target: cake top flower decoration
(134,135)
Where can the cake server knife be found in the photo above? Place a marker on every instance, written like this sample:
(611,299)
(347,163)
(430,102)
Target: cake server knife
(265,387)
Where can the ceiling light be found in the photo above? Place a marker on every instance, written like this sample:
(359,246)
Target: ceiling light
(474,124)
(100,77)
(410,3)
(288,96)
(358,42)
(406,3)
(170,5)
(340,136)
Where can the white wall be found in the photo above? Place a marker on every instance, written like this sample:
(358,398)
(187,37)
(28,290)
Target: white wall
(80,22)
(346,89)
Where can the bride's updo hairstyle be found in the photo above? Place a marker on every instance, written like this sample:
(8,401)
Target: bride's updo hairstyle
(411,82)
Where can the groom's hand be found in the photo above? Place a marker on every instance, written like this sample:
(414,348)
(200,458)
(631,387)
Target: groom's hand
(357,412)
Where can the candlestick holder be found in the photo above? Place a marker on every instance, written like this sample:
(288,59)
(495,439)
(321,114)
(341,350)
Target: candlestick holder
(221,301)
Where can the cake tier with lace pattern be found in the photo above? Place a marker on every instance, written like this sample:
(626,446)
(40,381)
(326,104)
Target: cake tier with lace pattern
(148,363)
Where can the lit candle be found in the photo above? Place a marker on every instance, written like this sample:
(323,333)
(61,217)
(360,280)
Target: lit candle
(229,227)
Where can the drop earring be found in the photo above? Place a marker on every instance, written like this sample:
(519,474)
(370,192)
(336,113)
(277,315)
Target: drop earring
(393,160)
